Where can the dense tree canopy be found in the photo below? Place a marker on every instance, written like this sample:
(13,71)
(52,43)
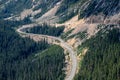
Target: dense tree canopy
(24,59)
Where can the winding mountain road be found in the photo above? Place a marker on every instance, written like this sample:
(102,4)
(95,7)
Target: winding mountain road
(63,44)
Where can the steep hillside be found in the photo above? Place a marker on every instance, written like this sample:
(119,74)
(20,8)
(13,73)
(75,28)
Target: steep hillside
(87,8)
(34,8)
(88,14)
(68,9)
(102,59)
(13,7)
(106,7)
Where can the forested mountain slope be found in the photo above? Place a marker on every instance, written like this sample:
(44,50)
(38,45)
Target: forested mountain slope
(102,60)
(24,59)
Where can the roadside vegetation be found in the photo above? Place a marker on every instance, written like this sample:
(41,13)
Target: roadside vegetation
(46,30)
(66,34)
(50,64)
